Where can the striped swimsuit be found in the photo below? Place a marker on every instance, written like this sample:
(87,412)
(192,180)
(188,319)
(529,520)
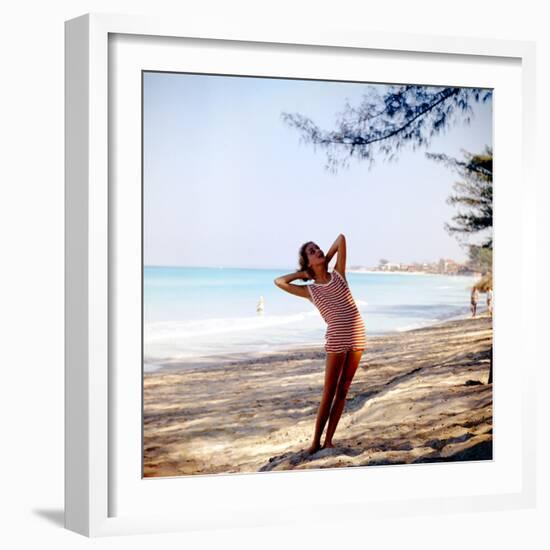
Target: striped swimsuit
(346,329)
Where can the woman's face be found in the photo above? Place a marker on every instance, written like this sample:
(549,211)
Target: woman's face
(315,255)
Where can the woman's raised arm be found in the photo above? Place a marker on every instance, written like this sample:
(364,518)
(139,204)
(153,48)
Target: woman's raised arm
(283,282)
(338,246)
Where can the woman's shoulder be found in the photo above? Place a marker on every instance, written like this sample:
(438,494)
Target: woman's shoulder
(313,283)
(338,275)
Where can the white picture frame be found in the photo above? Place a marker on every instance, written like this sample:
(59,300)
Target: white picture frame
(99,501)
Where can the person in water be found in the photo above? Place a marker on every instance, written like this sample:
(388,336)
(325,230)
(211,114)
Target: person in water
(345,338)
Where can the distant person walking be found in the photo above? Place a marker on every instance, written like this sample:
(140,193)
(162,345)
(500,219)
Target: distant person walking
(474,298)
(490,301)
(260,306)
(345,335)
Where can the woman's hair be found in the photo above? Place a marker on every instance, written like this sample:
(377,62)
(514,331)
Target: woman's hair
(303,261)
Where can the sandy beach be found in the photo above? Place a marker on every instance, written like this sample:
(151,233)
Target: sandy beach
(418,396)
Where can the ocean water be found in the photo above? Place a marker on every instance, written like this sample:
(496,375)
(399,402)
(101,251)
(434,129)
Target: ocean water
(197,316)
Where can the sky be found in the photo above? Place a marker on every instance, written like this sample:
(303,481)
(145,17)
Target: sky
(227,183)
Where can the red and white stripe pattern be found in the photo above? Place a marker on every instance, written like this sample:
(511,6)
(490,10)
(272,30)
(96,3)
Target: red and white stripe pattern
(346,329)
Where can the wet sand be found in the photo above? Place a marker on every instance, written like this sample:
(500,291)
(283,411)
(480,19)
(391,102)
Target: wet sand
(417,396)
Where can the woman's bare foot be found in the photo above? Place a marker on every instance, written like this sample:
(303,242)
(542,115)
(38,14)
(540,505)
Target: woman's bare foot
(328,445)
(314,448)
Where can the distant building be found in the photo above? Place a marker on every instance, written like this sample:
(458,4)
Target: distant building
(390,267)
(442,266)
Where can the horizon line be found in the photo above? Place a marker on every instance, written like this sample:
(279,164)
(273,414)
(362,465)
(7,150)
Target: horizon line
(287,267)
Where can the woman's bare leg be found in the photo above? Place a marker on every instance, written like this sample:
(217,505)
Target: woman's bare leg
(333,369)
(350,366)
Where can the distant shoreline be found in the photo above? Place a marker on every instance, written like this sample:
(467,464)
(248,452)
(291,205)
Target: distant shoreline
(371,271)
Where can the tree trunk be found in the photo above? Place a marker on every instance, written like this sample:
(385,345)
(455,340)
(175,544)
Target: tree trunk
(490,381)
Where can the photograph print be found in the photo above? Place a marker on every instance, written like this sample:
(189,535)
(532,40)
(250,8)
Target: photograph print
(317,281)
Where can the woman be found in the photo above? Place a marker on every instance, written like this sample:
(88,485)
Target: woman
(490,301)
(345,335)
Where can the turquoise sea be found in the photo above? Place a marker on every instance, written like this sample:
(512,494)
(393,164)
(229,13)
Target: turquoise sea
(196,315)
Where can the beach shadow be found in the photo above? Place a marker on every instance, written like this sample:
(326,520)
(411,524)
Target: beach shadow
(292,459)
(448,366)
(479,451)
(57,517)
